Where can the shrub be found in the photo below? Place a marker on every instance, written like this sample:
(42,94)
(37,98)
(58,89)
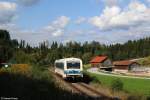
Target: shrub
(117,85)
(95,80)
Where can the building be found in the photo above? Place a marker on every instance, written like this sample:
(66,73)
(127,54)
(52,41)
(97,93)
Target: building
(125,65)
(102,62)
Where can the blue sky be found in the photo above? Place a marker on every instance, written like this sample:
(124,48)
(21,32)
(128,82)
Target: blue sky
(48,10)
(106,21)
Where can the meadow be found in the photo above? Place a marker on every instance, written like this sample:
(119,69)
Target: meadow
(130,85)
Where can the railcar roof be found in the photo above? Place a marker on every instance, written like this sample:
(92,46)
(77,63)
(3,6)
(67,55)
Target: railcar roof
(67,59)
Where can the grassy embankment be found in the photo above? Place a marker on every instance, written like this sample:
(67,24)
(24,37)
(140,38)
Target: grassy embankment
(132,86)
(141,86)
(27,82)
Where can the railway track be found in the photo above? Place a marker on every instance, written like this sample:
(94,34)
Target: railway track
(90,91)
(84,89)
(88,87)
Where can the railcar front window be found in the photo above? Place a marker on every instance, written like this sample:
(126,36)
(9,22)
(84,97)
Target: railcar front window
(73,65)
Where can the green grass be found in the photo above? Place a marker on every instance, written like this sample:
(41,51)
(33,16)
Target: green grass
(139,86)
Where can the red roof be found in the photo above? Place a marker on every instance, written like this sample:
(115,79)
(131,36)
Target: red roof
(98,59)
(124,62)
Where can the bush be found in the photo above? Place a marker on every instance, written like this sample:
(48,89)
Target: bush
(95,80)
(117,85)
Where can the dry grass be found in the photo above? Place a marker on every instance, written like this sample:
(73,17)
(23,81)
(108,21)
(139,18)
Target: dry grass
(21,68)
(109,92)
(17,68)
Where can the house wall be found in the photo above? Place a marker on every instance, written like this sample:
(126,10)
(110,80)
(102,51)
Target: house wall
(132,66)
(107,63)
(95,64)
(121,67)
(125,68)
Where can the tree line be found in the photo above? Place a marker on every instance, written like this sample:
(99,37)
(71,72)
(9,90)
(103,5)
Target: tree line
(14,51)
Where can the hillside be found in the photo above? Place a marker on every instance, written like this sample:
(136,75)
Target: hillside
(144,61)
(46,54)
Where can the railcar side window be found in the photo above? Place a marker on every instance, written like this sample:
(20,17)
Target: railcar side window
(74,65)
(60,65)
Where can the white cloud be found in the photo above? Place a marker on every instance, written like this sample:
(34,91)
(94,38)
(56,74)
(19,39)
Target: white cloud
(148,0)
(7,12)
(137,6)
(53,32)
(56,28)
(4,6)
(116,18)
(103,20)
(80,20)
(58,32)
(28,2)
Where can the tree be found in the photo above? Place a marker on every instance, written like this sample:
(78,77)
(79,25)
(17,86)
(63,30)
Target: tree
(6,46)
(86,57)
(21,57)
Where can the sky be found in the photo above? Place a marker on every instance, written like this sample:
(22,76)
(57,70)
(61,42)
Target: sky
(106,21)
